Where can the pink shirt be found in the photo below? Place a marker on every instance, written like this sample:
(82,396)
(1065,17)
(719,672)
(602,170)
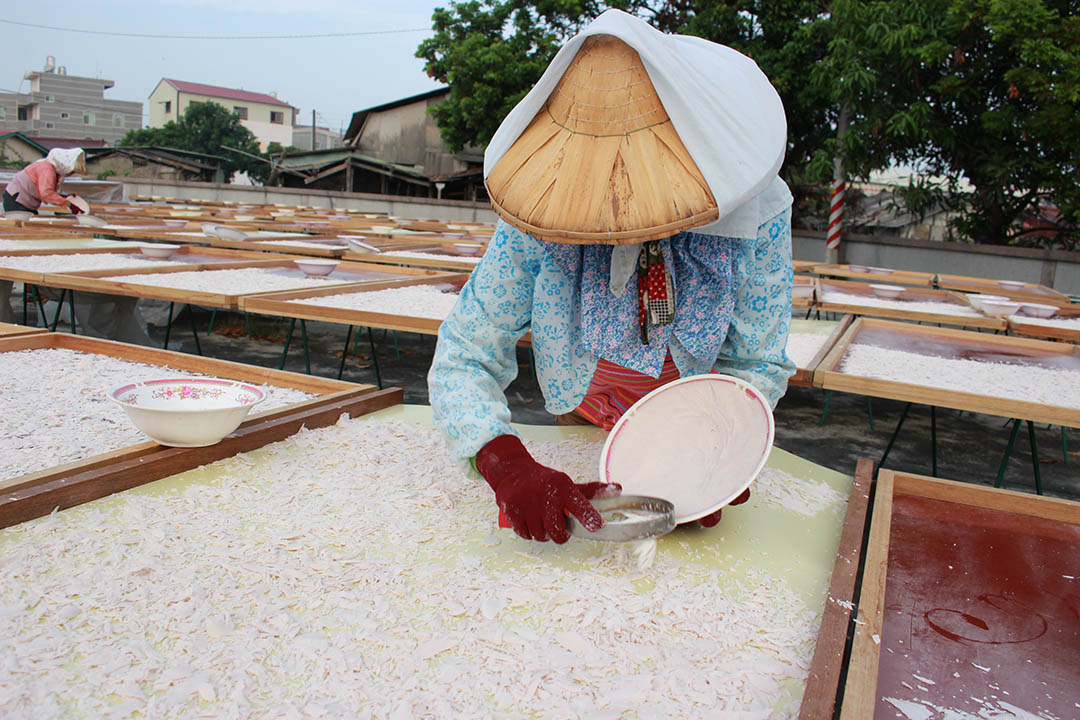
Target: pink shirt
(36,183)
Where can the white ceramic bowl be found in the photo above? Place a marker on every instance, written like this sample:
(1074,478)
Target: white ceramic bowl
(467,249)
(1038,310)
(18,215)
(175,223)
(977,300)
(90,221)
(187,412)
(316,267)
(882,271)
(209,228)
(1000,308)
(858,268)
(1012,284)
(161,251)
(888,292)
(716,432)
(359,244)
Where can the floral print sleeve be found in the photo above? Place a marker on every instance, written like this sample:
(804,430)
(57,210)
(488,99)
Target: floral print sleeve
(476,356)
(754,349)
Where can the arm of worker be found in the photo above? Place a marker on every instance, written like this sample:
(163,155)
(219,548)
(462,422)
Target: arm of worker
(46,181)
(475,360)
(754,349)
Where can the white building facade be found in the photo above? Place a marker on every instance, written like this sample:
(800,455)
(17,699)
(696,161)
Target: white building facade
(268,119)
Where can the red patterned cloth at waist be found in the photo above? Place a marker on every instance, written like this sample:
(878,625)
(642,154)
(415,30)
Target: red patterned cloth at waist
(614,389)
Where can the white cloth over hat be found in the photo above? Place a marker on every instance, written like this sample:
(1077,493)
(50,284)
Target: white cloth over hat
(64,160)
(724,108)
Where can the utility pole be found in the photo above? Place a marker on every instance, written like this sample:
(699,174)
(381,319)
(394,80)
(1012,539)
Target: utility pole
(313,128)
(836,201)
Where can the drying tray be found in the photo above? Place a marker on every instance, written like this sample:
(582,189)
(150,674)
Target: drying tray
(910,294)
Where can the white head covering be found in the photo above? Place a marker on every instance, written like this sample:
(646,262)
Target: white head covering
(64,160)
(723,107)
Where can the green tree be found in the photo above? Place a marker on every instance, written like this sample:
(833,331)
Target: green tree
(206,128)
(986,91)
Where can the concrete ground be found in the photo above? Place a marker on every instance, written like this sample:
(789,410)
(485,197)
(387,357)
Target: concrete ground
(969,446)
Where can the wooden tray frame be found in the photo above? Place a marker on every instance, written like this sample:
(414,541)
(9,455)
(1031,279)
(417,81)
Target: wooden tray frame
(804,377)
(989,286)
(912,293)
(826,375)
(804,281)
(331,394)
(1024,329)
(8,330)
(90,281)
(860,689)
(896,277)
(276,304)
(433,262)
(822,691)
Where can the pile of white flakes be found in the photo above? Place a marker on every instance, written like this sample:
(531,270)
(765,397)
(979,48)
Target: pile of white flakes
(306,243)
(425,301)
(352,571)
(81,261)
(802,347)
(915,306)
(1072,323)
(56,409)
(1028,382)
(431,256)
(240,281)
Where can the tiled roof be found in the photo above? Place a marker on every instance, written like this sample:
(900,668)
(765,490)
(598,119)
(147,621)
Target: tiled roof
(226,93)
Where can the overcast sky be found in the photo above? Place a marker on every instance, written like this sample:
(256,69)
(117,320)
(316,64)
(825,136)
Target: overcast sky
(333,76)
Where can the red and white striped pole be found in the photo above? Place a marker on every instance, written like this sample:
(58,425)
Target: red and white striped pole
(835,231)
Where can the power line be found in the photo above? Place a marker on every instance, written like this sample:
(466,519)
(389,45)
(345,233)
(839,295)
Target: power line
(214,37)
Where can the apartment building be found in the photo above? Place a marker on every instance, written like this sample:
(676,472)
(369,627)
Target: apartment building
(268,119)
(59,105)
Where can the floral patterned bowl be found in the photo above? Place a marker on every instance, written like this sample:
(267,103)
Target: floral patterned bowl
(187,412)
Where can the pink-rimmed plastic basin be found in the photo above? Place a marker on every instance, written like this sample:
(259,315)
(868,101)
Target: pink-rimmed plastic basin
(187,412)
(697,442)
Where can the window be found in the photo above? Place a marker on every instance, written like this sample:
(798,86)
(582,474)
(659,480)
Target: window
(240,112)
(50,98)
(22,113)
(3,113)
(64,115)
(278,118)
(89,118)
(118,120)
(49,126)
(168,106)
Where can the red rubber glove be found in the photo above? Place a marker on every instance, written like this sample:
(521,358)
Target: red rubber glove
(713,518)
(534,498)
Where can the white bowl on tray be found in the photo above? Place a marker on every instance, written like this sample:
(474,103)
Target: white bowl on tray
(977,300)
(1038,310)
(1000,308)
(210,229)
(858,268)
(90,221)
(887,292)
(228,233)
(716,432)
(187,412)
(158,251)
(468,249)
(1012,284)
(882,271)
(357,243)
(175,223)
(316,268)
(18,215)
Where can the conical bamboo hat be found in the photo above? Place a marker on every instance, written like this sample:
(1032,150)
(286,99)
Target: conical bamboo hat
(601,163)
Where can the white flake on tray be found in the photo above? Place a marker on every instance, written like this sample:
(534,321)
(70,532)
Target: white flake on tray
(343,575)
(239,281)
(1072,323)
(430,256)
(802,347)
(56,408)
(426,301)
(1017,382)
(922,306)
(81,261)
(804,496)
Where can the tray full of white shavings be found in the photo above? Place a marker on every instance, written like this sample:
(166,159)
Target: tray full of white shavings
(56,409)
(239,281)
(1027,382)
(353,571)
(915,306)
(1072,323)
(81,261)
(426,301)
(416,254)
(802,347)
(307,243)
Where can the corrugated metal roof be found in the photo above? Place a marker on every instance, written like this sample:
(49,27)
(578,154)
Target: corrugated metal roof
(226,93)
